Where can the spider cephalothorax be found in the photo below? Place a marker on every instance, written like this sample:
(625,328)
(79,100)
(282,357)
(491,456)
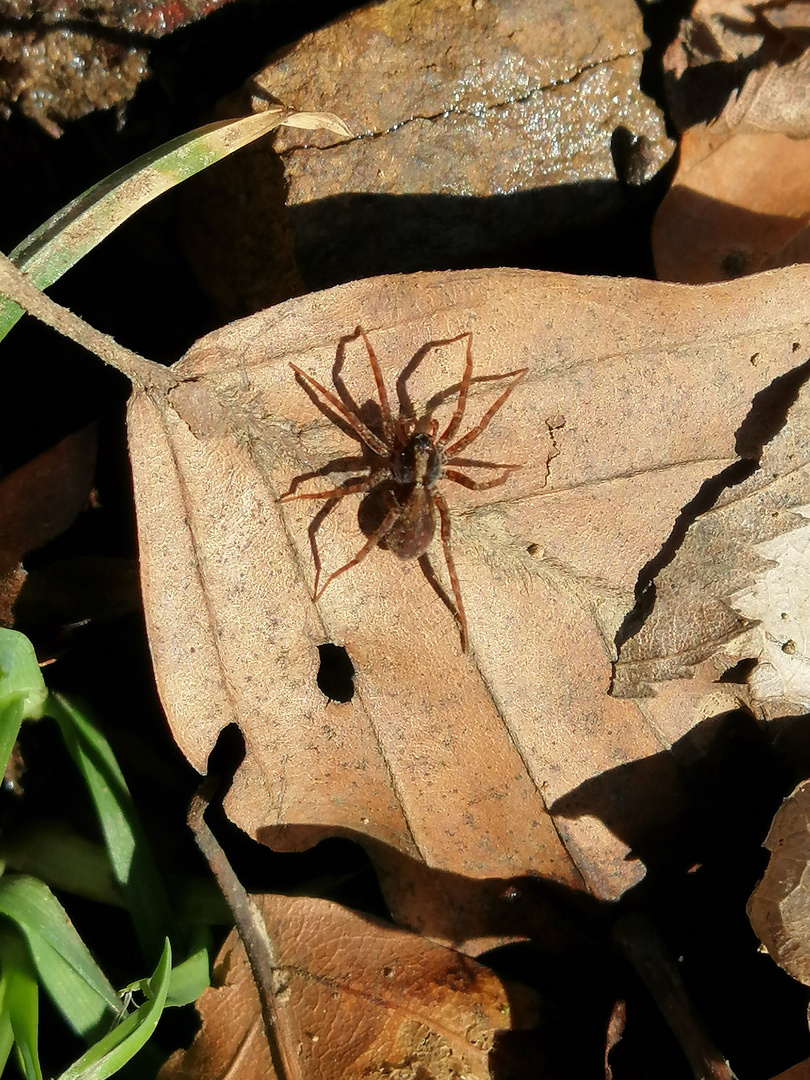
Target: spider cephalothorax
(411,459)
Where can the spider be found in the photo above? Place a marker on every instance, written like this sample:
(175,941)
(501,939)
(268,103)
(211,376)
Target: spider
(410,459)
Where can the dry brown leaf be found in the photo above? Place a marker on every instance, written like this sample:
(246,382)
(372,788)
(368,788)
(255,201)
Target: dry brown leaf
(39,501)
(366,1000)
(740,200)
(778,908)
(736,585)
(450,758)
(800,1071)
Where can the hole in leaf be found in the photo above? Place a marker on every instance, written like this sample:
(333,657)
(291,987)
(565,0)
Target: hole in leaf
(336,673)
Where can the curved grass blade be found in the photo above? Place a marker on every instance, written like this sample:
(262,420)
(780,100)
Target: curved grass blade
(121,1044)
(130,857)
(21,1000)
(78,227)
(65,969)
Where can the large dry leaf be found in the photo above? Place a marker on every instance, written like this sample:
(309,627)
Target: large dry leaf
(362,998)
(779,908)
(450,758)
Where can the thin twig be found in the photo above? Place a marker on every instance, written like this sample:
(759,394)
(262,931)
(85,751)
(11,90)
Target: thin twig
(642,946)
(141,372)
(261,953)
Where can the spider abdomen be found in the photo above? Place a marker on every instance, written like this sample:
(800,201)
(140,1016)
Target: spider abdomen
(411,533)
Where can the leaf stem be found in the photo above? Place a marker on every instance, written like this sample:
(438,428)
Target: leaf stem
(141,372)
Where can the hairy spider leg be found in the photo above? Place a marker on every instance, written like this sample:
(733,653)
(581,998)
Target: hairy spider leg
(385,408)
(463,391)
(333,493)
(480,485)
(444,520)
(385,526)
(473,433)
(355,423)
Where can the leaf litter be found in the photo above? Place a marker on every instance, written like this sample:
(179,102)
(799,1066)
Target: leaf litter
(737,80)
(223,424)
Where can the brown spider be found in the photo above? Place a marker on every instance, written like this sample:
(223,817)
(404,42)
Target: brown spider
(412,459)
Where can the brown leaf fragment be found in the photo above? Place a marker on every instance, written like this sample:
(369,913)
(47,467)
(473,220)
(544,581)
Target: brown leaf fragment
(735,587)
(740,201)
(366,999)
(615,1030)
(800,1071)
(779,908)
(450,758)
(39,501)
(75,590)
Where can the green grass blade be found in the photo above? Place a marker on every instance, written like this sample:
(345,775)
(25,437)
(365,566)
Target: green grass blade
(131,860)
(22,689)
(21,1000)
(6,1034)
(77,228)
(66,970)
(57,854)
(190,978)
(121,1044)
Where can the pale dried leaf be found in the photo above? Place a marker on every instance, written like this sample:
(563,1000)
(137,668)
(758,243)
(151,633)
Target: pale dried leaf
(738,574)
(779,602)
(450,758)
(314,121)
(366,1000)
(779,908)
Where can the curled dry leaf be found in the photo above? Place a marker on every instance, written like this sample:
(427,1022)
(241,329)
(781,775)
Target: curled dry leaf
(363,998)
(739,84)
(736,587)
(778,908)
(632,398)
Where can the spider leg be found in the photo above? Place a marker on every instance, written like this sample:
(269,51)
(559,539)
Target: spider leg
(385,408)
(355,423)
(370,544)
(312,532)
(463,391)
(474,463)
(444,518)
(473,433)
(334,493)
(480,485)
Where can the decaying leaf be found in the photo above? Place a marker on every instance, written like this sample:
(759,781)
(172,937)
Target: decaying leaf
(737,583)
(634,393)
(39,501)
(366,999)
(779,908)
(739,85)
